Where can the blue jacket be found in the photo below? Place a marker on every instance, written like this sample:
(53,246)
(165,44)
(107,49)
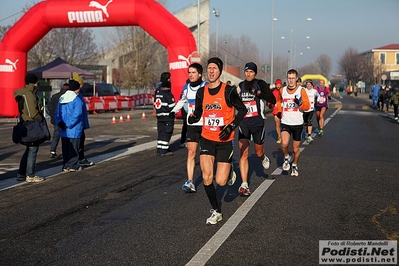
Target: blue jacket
(71,110)
(375,91)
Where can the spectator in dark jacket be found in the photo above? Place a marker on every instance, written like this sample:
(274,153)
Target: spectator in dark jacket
(395,102)
(29,109)
(387,99)
(381,99)
(52,108)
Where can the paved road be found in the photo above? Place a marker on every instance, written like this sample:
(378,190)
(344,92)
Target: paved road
(129,209)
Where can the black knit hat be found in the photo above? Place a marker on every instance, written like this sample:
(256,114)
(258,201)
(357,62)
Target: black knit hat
(197,66)
(31,79)
(73,85)
(252,66)
(217,61)
(165,76)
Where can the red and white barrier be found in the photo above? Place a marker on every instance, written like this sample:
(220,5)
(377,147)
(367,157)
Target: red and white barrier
(109,103)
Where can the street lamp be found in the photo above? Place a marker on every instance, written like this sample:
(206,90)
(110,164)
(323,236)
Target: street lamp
(216,12)
(289,58)
(295,59)
(272,59)
(291,31)
(295,54)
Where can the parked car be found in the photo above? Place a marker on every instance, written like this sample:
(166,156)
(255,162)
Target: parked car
(102,89)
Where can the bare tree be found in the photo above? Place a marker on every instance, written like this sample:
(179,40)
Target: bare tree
(368,69)
(311,68)
(235,51)
(3,30)
(74,45)
(324,64)
(280,67)
(140,58)
(350,63)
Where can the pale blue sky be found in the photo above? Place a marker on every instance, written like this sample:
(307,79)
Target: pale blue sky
(336,24)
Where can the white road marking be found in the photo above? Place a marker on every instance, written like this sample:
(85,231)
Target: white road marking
(207,251)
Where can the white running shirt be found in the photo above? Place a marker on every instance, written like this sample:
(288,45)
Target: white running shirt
(291,115)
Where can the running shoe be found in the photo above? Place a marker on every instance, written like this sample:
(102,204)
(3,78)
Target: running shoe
(278,140)
(188,186)
(309,139)
(321,131)
(215,217)
(21,177)
(266,163)
(53,154)
(34,179)
(396,118)
(294,171)
(80,168)
(244,190)
(85,163)
(286,164)
(232,176)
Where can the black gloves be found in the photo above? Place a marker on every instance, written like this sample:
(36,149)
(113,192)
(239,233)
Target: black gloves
(296,100)
(279,115)
(226,131)
(62,125)
(193,119)
(172,115)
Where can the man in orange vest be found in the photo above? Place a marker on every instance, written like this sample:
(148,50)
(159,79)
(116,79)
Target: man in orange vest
(216,104)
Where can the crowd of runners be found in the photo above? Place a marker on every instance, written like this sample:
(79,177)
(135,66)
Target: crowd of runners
(216,111)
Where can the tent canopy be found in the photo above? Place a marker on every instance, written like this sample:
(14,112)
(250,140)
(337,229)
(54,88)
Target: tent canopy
(60,69)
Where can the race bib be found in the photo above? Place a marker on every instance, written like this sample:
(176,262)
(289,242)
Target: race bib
(252,109)
(289,105)
(213,122)
(321,99)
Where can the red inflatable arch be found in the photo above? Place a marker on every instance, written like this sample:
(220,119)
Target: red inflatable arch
(41,18)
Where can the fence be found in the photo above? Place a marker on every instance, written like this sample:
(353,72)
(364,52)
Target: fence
(110,103)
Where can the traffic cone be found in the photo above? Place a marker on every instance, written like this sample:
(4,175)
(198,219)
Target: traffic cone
(128,117)
(113,120)
(143,116)
(120,118)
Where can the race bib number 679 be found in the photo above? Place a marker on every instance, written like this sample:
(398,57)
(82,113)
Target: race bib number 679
(214,121)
